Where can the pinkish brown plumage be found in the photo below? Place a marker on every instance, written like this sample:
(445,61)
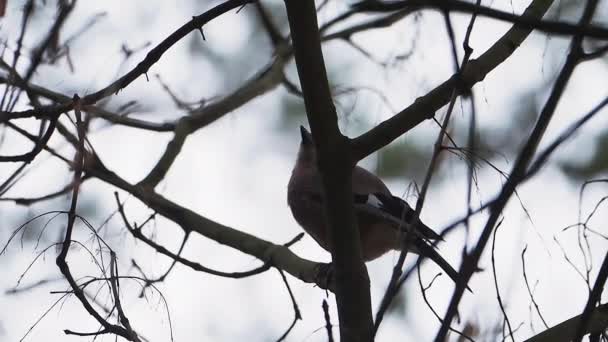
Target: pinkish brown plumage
(379,227)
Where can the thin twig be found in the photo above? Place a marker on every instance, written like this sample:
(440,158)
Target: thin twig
(328,325)
(296,309)
(498,297)
(523,264)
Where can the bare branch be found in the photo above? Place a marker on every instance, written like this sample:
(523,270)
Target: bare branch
(594,297)
(137,233)
(523,21)
(425,107)
(518,173)
(328,325)
(523,264)
(565,331)
(296,309)
(156,53)
(39,145)
(275,255)
(500,302)
(61,258)
(91,109)
(261,83)
(27,201)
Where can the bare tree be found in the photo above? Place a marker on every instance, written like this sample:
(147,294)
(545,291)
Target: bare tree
(64,119)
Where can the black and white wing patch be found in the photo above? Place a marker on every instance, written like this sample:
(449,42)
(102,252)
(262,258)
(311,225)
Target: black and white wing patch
(395,207)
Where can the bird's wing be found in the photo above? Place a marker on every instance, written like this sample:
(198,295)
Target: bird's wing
(393,209)
(365,182)
(396,211)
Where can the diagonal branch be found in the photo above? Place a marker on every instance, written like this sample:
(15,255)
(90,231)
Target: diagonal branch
(518,173)
(137,233)
(275,255)
(142,67)
(261,83)
(425,107)
(548,26)
(566,330)
(95,111)
(594,297)
(156,53)
(38,145)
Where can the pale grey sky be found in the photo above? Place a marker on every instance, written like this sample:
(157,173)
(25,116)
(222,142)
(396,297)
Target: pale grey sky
(236,170)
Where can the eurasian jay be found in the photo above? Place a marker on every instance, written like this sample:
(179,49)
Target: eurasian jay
(380,215)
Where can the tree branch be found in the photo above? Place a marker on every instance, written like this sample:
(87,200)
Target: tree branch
(566,330)
(548,26)
(594,297)
(156,53)
(266,80)
(61,258)
(518,174)
(425,107)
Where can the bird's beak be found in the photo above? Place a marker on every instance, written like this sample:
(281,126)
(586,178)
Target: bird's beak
(306,136)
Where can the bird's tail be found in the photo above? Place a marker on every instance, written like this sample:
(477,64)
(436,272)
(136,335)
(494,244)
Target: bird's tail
(429,252)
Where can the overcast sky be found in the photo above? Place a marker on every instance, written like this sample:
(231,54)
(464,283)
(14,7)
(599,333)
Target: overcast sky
(236,170)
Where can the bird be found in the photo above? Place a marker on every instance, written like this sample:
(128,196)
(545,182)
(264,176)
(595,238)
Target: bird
(382,217)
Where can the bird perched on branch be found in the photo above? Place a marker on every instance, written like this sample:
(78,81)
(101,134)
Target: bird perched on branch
(382,217)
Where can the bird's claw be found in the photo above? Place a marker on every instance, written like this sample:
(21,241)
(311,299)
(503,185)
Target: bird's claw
(325,275)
